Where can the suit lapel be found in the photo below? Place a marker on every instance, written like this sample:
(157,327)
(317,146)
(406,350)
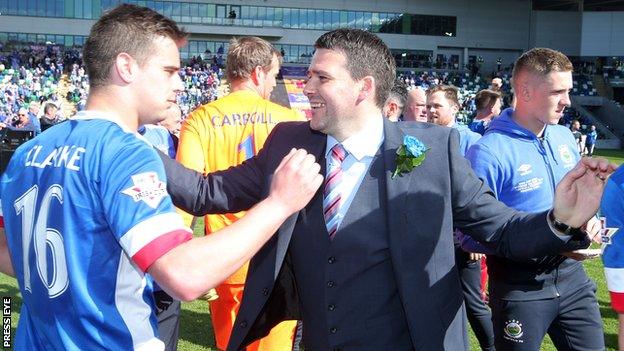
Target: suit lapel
(397,192)
(315,144)
(396,188)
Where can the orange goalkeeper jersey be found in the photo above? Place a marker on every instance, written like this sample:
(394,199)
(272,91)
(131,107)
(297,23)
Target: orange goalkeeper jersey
(225,133)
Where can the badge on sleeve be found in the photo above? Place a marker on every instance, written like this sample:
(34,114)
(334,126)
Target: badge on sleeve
(147,188)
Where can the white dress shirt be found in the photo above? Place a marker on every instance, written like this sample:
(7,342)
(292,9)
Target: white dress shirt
(361,149)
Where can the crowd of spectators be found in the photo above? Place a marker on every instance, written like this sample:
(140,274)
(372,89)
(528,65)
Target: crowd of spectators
(33,76)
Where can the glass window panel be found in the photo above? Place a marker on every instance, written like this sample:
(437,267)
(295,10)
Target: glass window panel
(253,12)
(69,40)
(168,8)
(335,19)
(319,19)
(184,9)
(368,20)
(327,21)
(294,18)
(150,4)
(31,7)
(279,16)
(194,12)
(159,7)
(78,9)
(293,53)
(141,3)
(211,10)
(261,13)
(244,12)
(176,9)
(87,9)
(270,13)
(59,8)
(32,38)
(96,10)
(193,48)
(359,20)
(4,6)
(22,38)
(22,8)
(41,8)
(344,22)
(4,37)
(201,47)
(351,19)
(303,19)
(309,16)
(12,7)
(375,22)
(286,22)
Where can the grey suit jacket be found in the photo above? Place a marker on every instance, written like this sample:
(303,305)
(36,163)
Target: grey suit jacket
(423,207)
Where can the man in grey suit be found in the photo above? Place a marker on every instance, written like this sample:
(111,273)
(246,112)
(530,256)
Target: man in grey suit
(368,264)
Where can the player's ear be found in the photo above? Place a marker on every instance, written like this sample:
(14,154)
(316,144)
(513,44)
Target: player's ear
(257,75)
(125,67)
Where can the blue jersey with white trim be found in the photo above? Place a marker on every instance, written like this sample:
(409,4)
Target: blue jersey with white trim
(612,208)
(86,213)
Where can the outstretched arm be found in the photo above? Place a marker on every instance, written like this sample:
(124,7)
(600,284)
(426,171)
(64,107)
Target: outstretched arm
(192,268)
(232,190)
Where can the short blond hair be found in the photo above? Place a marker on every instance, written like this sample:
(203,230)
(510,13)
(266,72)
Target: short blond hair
(541,62)
(451,93)
(246,53)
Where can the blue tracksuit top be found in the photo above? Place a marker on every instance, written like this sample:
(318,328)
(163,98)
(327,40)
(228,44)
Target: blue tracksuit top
(523,171)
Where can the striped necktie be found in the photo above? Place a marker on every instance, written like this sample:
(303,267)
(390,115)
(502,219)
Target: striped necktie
(331,193)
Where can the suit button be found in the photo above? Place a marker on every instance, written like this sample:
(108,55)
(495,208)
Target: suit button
(265,291)
(331,284)
(331,260)
(331,307)
(243,324)
(333,330)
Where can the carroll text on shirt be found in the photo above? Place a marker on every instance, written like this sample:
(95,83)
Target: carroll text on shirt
(241,119)
(63,156)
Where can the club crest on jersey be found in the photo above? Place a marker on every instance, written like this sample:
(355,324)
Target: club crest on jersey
(147,188)
(566,154)
(513,330)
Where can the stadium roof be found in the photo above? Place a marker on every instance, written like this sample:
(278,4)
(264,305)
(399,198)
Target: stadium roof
(578,5)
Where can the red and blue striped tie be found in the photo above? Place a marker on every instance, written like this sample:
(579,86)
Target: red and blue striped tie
(331,200)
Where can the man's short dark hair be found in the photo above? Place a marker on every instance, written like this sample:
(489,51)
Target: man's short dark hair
(366,55)
(126,28)
(486,98)
(398,92)
(246,53)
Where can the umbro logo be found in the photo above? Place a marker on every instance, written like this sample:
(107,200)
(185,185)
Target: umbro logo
(525,169)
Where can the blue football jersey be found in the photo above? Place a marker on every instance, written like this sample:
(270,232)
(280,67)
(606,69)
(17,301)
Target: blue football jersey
(86,213)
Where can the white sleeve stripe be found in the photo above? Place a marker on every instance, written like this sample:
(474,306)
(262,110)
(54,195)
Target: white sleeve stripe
(615,279)
(150,229)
